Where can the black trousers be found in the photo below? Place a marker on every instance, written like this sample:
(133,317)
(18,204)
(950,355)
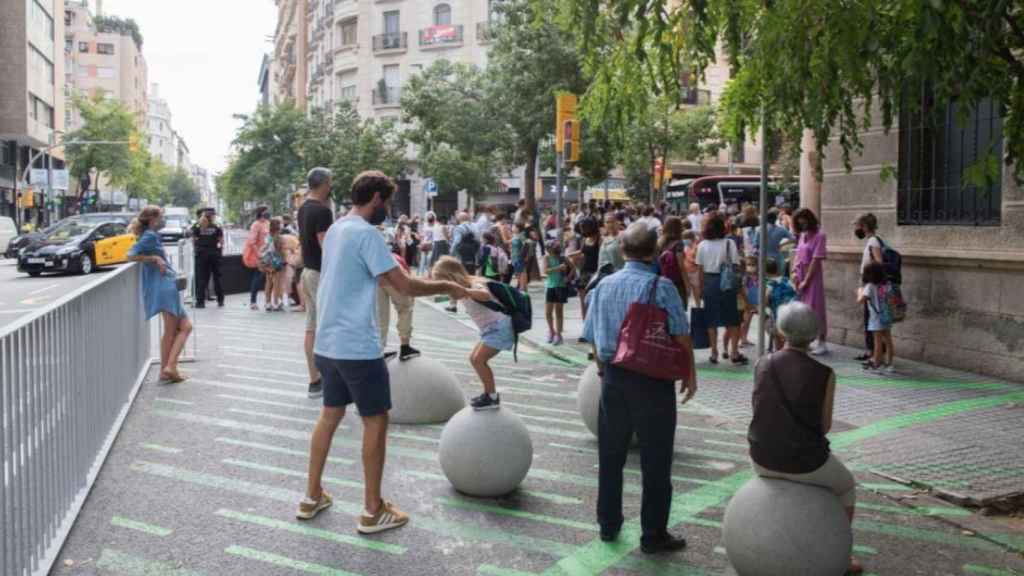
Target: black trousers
(207,265)
(869,337)
(631,402)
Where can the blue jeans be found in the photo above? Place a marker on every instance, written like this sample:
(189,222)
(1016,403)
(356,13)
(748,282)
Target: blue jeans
(256,283)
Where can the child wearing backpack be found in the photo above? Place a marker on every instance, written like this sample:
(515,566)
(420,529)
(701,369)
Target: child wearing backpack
(493,260)
(875,294)
(780,291)
(555,291)
(496,331)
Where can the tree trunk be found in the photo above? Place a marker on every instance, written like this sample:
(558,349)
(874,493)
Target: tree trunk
(530,186)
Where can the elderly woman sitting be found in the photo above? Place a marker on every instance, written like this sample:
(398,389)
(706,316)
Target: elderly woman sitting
(793,397)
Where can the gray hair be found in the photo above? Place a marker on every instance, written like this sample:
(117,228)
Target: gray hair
(639,241)
(463,216)
(798,324)
(317,177)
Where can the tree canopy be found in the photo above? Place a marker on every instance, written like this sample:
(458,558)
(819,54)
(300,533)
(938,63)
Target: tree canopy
(103,121)
(816,65)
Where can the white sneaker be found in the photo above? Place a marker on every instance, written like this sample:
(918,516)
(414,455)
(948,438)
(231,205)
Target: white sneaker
(820,350)
(889,369)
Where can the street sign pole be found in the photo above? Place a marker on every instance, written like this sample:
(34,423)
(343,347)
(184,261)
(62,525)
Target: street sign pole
(559,182)
(763,240)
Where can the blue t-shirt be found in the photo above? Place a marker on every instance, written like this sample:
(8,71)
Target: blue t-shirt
(354,255)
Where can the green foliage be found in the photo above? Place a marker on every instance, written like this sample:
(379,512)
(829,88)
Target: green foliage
(831,67)
(277,146)
(180,190)
(459,136)
(103,121)
(116,24)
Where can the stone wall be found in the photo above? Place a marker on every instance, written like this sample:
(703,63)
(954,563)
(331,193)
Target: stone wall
(964,284)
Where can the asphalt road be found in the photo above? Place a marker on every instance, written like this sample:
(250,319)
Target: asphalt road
(20,294)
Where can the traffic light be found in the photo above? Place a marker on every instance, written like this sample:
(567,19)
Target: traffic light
(571,138)
(133,142)
(27,199)
(658,168)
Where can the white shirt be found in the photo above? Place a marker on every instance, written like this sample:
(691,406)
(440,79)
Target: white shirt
(696,221)
(712,254)
(483,224)
(481,315)
(652,222)
(867,257)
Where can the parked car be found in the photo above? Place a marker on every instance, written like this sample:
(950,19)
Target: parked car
(23,240)
(77,245)
(175,228)
(8,232)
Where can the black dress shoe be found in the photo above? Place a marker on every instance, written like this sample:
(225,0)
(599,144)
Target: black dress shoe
(609,534)
(667,543)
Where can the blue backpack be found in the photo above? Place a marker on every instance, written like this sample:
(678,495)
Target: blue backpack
(782,293)
(892,261)
(515,304)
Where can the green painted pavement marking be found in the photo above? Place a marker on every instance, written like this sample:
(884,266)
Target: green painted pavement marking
(589,482)
(915,511)
(245,388)
(512,513)
(683,479)
(296,528)
(713,454)
(307,421)
(287,472)
(213,481)
(140,526)
(583,449)
(130,565)
(528,392)
(548,419)
(885,486)
(866,550)
(159,448)
(491,570)
(282,450)
(724,443)
(427,439)
(986,571)
(558,432)
(235,424)
(713,430)
(556,498)
(924,535)
(596,556)
(285,562)
(1011,540)
(541,408)
(269,403)
(173,401)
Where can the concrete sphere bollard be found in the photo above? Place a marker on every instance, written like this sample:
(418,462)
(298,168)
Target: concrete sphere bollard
(423,391)
(775,527)
(588,400)
(485,453)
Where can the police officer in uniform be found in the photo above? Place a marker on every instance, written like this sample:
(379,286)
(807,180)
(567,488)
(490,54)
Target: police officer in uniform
(208,242)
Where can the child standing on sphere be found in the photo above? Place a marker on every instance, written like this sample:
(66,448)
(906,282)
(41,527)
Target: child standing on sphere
(496,333)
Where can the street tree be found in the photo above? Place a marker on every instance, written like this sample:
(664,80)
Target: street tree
(103,121)
(818,65)
(358,144)
(180,190)
(458,133)
(531,60)
(268,162)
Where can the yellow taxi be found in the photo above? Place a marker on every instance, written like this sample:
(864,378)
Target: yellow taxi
(77,245)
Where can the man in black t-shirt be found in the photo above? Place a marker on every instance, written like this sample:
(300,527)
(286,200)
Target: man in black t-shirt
(207,243)
(315,217)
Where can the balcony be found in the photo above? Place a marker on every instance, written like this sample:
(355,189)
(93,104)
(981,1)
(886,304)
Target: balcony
(696,97)
(390,96)
(392,42)
(441,37)
(484,32)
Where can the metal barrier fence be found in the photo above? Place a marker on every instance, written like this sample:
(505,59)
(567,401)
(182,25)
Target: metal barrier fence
(68,375)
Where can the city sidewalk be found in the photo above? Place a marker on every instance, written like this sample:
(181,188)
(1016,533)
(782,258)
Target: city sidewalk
(205,476)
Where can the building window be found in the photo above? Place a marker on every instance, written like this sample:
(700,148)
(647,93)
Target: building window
(41,20)
(41,112)
(105,72)
(104,48)
(41,65)
(392,24)
(83,47)
(348,32)
(442,15)
(950,161)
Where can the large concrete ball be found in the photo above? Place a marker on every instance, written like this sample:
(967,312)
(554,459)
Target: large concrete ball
(423,391)
(588,397)
(485,452)
(774,527)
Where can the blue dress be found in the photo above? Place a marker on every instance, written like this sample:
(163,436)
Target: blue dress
(159,291)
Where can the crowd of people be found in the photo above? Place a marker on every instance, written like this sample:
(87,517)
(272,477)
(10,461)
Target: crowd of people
(699,267)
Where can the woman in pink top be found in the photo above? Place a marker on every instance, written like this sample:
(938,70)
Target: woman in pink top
(809,272)
(252,251)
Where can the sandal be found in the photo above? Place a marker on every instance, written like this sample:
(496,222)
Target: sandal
(171,377)
(863,357)
(713,359)
(741,360)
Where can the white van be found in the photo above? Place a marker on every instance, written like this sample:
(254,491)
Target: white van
(7,232)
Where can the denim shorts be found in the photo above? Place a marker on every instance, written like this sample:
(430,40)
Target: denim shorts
(363,382)
(499,335)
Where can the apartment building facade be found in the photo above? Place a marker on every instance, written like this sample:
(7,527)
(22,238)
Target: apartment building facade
(104,64)
(962,242)
(162,140)
(31,95)
(290,49)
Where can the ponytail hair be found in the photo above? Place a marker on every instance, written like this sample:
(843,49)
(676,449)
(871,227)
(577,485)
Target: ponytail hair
(141,222)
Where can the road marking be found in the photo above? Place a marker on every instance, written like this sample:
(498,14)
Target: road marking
(269,403)
(18,311)
(309,421)
(140,526)
(159,448)
(282,450)
(44,289)
(173,401)
(130,565)
(491,570)
(291,473)
(556,498)
(246,388)
(511,513)
(915,511)
(285,562)
(924,535)
(297,528)
(303,385)
(986,571)
(724,443)
(542,408)
(260,370)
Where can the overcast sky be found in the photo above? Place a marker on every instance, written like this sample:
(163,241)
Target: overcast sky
(206,55)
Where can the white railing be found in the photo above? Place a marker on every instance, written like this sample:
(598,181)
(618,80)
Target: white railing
(68,375)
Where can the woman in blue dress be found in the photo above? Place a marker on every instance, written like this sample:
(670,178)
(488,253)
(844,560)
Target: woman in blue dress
(160,290)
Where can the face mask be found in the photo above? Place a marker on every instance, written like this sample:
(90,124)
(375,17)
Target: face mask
(860,234)
(380,214)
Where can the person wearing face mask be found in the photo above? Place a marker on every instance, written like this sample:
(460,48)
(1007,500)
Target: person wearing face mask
(252,251)
(160,293)
(207,242)
(809,271)
(348,351)
(865,228)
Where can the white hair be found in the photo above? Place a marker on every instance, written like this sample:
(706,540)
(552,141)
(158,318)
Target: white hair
(798,324)
(463,216)
(694,208)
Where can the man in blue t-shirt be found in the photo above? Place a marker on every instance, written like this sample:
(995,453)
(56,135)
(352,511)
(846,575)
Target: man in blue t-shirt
(348,348)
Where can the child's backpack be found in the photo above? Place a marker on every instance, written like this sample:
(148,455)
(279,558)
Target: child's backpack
(892,261)
(469,246)
(782,293)
(500,259)
(882,308)
(893,298)
(668,264)
(515,304)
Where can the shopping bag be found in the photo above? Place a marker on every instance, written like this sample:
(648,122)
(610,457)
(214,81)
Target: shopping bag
(645,345)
